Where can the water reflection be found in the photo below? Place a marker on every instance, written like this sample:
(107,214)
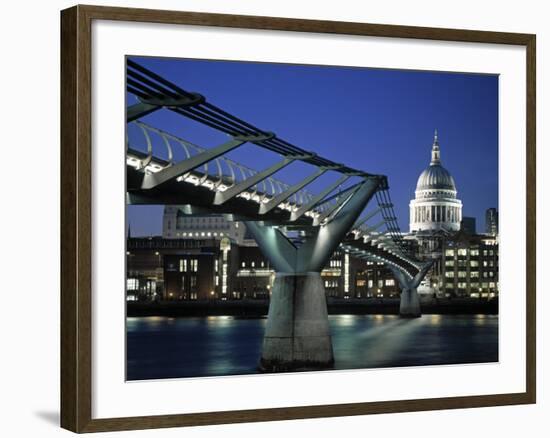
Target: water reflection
(162,347)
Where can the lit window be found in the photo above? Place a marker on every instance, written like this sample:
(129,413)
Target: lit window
(390,282)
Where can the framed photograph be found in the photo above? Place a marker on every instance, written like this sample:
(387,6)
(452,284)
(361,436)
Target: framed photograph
(267,218)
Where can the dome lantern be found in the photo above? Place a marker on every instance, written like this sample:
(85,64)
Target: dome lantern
(435,177)
(436,158)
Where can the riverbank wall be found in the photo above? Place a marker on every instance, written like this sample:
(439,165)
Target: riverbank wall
(259,308)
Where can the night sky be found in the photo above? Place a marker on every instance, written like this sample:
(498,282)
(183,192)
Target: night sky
(377,120)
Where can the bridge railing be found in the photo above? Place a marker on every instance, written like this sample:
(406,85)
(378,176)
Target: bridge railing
(151,150)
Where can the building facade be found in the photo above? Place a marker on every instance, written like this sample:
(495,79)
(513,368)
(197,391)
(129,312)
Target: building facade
(180,269)
(144,269)
(177,225)
(470,266)
(190,269)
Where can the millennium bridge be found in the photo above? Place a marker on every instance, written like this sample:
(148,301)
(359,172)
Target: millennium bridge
(296,228)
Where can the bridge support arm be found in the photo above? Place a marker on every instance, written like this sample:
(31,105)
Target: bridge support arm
(280,251)
(409,305)
(317,199)
(266,208)
(230,193)
(316,251)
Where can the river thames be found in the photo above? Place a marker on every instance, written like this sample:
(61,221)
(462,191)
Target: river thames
(161,347)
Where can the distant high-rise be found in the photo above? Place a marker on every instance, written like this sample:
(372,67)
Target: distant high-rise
(491,221)
(468,224)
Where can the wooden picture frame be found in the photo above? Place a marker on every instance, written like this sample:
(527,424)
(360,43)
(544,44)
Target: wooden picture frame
(76,217)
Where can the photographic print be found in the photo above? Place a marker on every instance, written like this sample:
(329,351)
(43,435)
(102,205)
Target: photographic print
(299,218)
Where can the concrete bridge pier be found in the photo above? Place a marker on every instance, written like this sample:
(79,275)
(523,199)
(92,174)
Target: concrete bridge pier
(297,335)
(409,305)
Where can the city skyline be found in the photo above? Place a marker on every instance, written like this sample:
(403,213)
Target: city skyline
(381,121)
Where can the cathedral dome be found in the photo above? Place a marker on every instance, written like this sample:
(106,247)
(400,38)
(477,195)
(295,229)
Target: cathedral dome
(435,207)
(435,177)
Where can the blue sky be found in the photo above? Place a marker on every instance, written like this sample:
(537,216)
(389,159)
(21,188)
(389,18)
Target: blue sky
(381,121)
